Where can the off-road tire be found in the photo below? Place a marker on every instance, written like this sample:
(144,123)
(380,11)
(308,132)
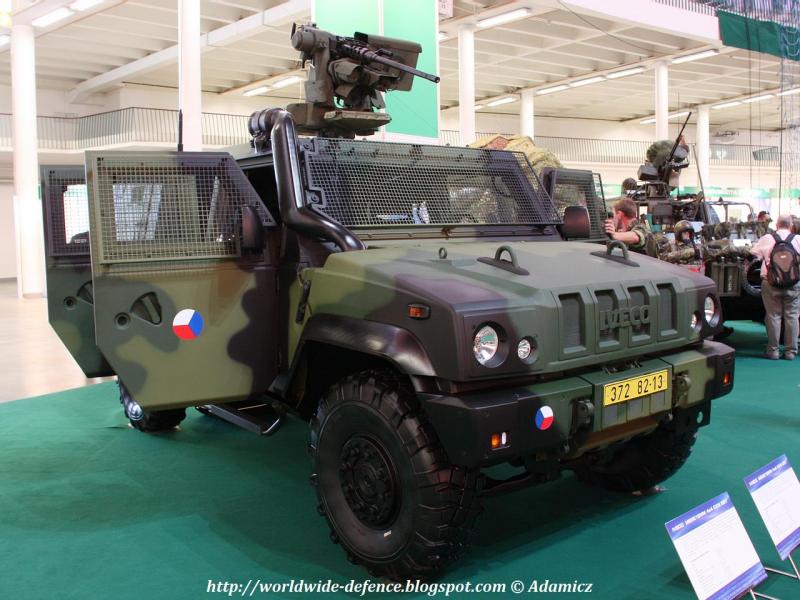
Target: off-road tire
(146,420)
(425,514)
(644,461)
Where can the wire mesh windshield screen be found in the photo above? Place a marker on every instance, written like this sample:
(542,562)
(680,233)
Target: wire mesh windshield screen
(573,187)
(150,206)
(375,184)
(66,211)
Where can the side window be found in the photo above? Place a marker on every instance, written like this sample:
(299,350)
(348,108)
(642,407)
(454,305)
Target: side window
(136,211)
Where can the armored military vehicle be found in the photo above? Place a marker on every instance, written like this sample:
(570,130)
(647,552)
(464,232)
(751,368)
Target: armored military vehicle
(416,304)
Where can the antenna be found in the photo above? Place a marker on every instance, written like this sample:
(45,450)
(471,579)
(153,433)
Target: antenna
(180,130)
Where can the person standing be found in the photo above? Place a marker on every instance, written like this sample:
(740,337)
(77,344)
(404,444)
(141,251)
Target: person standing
(626,226)
(780,286)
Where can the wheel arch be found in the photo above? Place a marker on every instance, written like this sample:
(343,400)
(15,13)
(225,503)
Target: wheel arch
(332,347)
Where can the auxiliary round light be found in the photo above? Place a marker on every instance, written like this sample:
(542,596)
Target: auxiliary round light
(695,322)
(710,310)
(524,349)
(485,344)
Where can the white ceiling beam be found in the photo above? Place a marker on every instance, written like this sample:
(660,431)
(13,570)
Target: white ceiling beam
(654,16)
(267,20)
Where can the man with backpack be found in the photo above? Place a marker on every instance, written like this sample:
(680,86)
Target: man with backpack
(780,286)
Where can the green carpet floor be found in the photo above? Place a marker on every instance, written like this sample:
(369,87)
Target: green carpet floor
(90,508)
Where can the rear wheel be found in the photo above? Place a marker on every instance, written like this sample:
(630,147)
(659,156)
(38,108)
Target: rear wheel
(643,462)
(146,420)
(384,483)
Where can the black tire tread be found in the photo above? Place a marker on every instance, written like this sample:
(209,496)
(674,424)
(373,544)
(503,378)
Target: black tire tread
(449,495)
(642,462)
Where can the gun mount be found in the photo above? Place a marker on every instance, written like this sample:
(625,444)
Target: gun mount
(346,81)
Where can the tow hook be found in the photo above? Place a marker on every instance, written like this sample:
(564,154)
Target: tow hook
(682,385)
(584,412)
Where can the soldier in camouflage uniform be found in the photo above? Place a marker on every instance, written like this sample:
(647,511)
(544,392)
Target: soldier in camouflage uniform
(684,250)
(539,157)
(627,227)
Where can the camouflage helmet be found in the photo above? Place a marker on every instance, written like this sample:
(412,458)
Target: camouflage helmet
(682,227)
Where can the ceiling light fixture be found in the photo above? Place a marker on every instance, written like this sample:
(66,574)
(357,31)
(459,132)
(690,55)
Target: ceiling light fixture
(589,81)
(499,101)
(677,115)
(726,105)
(758,98)
(503,18)
(625,73)
(4,39)
(695,56)
(790,92)
(649,121)
(81,5)
(552,90)
(478,106)
(286,82)
(52,17)
(256,91)
(443,36)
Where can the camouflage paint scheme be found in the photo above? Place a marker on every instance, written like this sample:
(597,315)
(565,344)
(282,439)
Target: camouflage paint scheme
(254,336)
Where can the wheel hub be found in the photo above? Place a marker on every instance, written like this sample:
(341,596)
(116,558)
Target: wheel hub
(368,481)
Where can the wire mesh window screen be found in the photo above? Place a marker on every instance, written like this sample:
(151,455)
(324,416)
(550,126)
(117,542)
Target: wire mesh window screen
(66,210)
(170,206)
(369,184)
(581,188)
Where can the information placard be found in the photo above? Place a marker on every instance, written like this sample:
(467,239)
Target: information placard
(776,492)
(715,550)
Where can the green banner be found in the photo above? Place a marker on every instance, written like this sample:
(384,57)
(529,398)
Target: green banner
(738,31)
(414,113)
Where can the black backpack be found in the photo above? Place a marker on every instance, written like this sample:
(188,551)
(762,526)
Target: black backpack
(783,270)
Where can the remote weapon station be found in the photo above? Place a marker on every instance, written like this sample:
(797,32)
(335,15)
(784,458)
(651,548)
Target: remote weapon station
(417,305)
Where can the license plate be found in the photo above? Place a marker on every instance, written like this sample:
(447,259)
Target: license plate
(635,387)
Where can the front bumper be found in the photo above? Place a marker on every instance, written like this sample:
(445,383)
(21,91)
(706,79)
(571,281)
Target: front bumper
(465,424)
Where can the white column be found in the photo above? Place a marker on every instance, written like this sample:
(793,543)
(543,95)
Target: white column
(27,207)
(662,100)
(466,83)
(526,112)
(189,90)
(702,146)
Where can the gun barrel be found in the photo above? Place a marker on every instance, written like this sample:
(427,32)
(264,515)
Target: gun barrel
(366,56)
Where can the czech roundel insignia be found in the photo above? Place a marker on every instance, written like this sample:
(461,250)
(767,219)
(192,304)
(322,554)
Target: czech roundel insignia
(187,324)
(544,418)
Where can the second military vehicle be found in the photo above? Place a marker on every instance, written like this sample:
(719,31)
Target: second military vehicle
(416,304)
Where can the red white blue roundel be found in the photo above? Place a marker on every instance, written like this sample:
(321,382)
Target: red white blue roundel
(544,418)
(187,324)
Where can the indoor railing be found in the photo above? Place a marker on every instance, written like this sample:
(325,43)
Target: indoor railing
(131,127)
(627,152)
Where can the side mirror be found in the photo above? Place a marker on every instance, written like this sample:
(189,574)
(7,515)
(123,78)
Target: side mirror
(576,223)
(252,229)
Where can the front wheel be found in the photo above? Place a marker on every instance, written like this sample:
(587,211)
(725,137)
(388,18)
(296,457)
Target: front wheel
(645,461)
(383,481)
(147,420)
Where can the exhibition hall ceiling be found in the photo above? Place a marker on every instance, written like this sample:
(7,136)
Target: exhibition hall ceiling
(552,44)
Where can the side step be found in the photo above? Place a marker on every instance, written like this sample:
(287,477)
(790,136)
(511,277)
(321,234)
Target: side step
(255,415)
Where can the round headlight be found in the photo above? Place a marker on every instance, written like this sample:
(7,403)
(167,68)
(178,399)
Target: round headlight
(524,349)
(710,310)
(485,344)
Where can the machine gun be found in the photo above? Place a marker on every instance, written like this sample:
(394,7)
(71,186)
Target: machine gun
(659,176)
(347,78)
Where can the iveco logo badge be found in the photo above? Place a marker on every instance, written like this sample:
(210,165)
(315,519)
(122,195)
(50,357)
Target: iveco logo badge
(624,317)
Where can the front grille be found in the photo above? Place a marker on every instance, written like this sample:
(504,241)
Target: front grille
(607,301)
(573,322)
(667,310)
(639,331)
(368,184)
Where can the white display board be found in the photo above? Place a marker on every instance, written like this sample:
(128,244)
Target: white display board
(776,493)
(715,550)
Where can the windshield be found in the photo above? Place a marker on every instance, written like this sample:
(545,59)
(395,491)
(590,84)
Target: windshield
(376,184)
